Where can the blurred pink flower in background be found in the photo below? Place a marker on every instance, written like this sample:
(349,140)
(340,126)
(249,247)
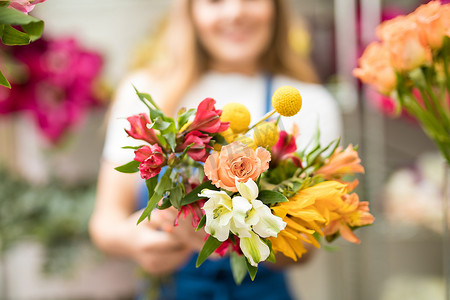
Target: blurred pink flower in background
(55,81)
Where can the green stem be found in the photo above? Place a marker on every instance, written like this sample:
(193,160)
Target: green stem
(265,117)
(445,56)
(437,104)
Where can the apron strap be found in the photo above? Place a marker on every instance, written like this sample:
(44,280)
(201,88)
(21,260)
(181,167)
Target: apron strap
(268,78)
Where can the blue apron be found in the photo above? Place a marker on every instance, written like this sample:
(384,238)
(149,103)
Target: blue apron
(213,280)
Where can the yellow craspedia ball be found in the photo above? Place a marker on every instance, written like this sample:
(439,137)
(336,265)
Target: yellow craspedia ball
(266,134)
(229,135)
(238,116)
(287,101)
(246,141)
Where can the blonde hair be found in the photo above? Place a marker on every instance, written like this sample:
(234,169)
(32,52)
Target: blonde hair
(179,59)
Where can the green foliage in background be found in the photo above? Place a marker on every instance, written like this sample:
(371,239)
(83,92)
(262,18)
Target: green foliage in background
(54,215)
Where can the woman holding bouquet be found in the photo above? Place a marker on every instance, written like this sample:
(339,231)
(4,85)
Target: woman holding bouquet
(232,51)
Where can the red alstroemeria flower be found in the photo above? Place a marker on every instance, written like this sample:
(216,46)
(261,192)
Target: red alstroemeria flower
(284,149)
(139,129)
(194,209)
(151,160)
(197,151)
(223,248)
(207,118)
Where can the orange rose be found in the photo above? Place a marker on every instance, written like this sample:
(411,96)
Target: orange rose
(406,49)
(375,68)
(430,17)
(236,160)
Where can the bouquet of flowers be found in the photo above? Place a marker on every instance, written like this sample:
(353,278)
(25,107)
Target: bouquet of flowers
(258,194)
(410,64)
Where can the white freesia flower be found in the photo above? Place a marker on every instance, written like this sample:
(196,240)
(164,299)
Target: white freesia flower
(247,217)
(260,219)
(219,211)
(254,249)
(263,222)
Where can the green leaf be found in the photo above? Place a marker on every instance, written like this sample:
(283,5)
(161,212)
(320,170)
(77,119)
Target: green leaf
(238,267)
(251,270)
(131,167)
(176,193)
(146,213)
(4,3)
(132,147)
(171,139)
(193,195)
(220,139)
(160,124)
(34,30)
(4,81)
(151,185)
(271,257)
(162,186)
(209,247)
(11,36)
(12,16)
(32,27)
(271,197)
(165,183)
(201,223)
(165,204)
(184,117)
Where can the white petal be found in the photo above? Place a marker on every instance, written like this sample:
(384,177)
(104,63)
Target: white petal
(268,224)
(240,230)
(240,208)
(213,194)
(254,249)
(248,190)
(213,228)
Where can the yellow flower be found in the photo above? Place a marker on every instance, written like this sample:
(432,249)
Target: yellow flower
(228,135)
(287,101)
(248,141)
(305,214)
(238,116)
(340,163)
(352,213)
(266,134)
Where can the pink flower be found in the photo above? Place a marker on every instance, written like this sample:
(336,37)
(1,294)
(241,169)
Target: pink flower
(56,86)
(197,151)
(284,149)
(194,209)
(207,118)
(236,161)
(151,160)
(24,6)
(223,248)
(139,129)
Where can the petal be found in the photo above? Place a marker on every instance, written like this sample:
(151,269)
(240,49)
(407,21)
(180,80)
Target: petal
(218,231)
(240,208)
(248,190)
(214,194)
(268,225)
(254,249)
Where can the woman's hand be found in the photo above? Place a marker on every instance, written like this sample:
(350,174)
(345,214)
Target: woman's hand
(156,251)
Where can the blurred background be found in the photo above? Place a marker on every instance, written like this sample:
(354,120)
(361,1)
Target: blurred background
(50,151)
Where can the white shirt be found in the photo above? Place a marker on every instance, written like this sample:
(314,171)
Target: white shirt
(318,107)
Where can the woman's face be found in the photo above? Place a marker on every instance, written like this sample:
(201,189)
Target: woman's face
(235,33)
